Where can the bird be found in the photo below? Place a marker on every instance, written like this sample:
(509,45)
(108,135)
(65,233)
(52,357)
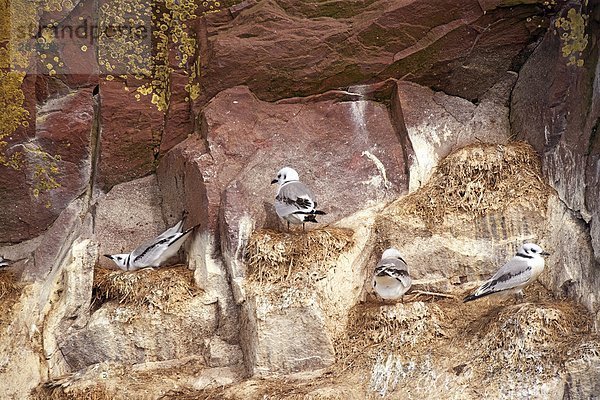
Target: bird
(391,279)
(294,202)
(515,275)
(155,252)
(5,262)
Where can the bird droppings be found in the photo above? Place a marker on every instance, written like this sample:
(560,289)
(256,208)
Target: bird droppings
(162,288)
(476,180)
(294,258)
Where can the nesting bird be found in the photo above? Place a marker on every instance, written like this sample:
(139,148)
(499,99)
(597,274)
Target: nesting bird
(155,252)
(294,202)
(391,279)
(515,275)
(5,262)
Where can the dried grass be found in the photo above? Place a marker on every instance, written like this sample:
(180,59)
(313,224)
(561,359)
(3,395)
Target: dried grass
(375,329)
(8,284)
(160,288)
(478,179)
(97,392)
(280,257)
(528,338)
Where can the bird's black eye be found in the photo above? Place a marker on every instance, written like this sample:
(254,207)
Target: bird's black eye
(118,258)
(278,175)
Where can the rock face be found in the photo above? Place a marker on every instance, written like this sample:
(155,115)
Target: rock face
(398,115)
(148,98)
(556,106)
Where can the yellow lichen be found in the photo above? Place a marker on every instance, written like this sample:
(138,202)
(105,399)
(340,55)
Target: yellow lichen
(44,168)
(13,114)
(572,34)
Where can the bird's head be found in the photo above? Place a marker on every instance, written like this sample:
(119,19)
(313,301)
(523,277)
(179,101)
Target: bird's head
(284,175)
(391,253)
(533,249)
(119,259)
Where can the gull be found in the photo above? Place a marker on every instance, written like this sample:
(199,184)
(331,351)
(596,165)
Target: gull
(5,262)
(155,252)
(391,279)
(295,203)
(515,275)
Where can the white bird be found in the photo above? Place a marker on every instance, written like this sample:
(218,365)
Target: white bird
(294,202)
(391,279)
(516,274)
(155,252)
(5,262)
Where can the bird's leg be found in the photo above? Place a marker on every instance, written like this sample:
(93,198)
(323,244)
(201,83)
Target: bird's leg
(288,226)
(303,227)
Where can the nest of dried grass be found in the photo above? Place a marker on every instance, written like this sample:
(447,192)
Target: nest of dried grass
(160,288)
(478,179)
(375,329)
(8,284)
(97,392)
(529,338)
(276,257)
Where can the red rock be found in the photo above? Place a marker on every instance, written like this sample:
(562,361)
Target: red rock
(57,153)
(288,47)
(131,134)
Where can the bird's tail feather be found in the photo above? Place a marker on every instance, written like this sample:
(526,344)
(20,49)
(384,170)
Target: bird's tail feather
(476,295)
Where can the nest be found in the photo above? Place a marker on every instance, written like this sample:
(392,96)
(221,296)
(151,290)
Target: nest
(376,329)
(8,284)
(276,257)
(478,179)
(58,393)
(529,338)
(159,288)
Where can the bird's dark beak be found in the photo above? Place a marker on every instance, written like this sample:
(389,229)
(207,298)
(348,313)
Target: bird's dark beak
(108,256)
(545,253)
(273,181)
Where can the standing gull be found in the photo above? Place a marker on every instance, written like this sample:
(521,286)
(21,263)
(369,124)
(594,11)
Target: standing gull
(294,202)
(516,274)
(154,252)
(391,279)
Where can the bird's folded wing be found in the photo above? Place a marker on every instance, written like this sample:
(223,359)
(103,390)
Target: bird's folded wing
(150,250)
(294,197)
(177,228)
(512,274)
(395,269)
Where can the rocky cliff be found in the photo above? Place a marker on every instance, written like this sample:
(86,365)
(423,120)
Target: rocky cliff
(452,130)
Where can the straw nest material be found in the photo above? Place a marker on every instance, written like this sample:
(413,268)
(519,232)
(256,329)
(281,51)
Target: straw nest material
(478,179)
(8,284)
(279,257)
(528,338)
(375,329)
(160,288)
(97,392)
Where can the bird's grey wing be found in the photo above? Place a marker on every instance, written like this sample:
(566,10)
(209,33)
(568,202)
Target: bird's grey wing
(150,252)
(294,197)
(158,248)
(512,274)
(177,228)
(394,268)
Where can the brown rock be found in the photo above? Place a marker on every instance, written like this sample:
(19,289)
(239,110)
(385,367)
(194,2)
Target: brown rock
(556,107)
(131,131)
(55,165)
(279,48)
